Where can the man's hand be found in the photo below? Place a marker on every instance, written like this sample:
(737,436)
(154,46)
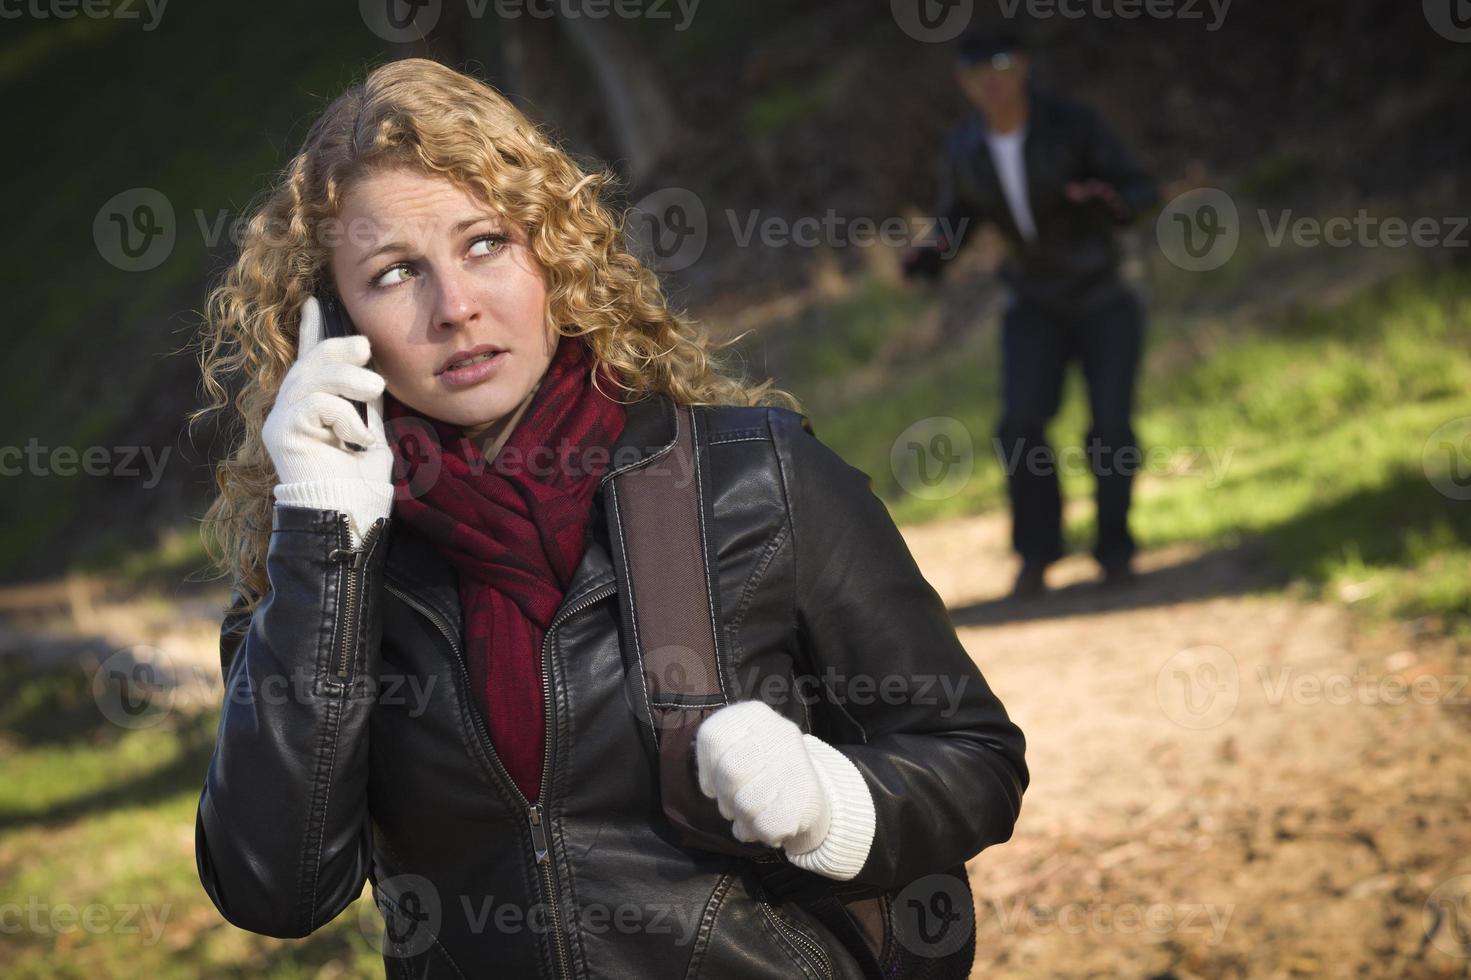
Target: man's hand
(921,261)
(1086,191)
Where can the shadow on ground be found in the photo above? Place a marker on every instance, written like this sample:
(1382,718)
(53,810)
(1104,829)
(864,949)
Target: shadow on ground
(1234,571)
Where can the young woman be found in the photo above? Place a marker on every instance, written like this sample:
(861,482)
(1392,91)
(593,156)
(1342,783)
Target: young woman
(426,680)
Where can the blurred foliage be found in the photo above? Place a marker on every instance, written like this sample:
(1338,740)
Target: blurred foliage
(185,125)
(1305,430)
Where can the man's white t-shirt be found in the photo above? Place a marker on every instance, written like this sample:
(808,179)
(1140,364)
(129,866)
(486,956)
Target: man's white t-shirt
(1006,154)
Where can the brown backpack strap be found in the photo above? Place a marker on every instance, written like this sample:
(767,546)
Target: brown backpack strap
(672,613)
(673,610)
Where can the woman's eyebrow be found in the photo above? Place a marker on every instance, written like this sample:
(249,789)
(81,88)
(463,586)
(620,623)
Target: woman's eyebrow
(459,227)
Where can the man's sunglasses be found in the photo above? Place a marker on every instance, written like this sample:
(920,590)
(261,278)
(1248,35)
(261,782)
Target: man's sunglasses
(1001,61)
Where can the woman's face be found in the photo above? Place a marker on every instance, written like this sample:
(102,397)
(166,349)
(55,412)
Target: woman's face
(428,274)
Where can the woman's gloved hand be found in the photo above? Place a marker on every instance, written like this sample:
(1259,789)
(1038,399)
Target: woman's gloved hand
(309,423)
(785,788)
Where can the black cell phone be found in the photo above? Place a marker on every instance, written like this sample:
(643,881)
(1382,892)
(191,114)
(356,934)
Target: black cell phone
(336,323)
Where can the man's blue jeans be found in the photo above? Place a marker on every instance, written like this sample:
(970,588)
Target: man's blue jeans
(1037,344)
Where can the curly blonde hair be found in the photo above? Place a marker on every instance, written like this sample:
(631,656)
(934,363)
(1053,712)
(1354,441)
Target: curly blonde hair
(421,114)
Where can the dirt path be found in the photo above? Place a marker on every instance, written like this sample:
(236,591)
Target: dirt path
(1223,784)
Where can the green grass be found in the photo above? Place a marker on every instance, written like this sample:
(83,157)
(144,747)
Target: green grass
(1326,419)
(98,821)
(1306,431)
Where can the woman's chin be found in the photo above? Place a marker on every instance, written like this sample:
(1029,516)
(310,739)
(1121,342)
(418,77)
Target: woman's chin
(467,409)
(470,412)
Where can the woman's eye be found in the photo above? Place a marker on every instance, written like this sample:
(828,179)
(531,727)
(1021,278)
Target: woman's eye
(496,239)
(490,244)
(392,276)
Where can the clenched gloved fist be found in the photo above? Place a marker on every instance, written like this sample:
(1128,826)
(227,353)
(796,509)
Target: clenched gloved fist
(785,788)
(307,428)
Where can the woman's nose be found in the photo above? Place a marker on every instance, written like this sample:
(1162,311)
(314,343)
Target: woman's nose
(455,304)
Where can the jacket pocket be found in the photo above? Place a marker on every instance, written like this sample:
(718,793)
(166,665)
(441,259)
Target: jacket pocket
(742,935)
(433,963)
(818,962)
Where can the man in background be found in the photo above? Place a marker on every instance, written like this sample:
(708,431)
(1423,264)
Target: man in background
(1057,183)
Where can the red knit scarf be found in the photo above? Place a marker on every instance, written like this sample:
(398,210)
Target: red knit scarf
(515,530)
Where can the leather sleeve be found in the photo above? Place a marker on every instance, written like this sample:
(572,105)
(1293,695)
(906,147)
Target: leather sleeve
(955,213)
(283,842)
(943,760)
(1109,160)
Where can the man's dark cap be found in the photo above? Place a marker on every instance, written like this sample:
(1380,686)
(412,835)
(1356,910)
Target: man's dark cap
(976,48)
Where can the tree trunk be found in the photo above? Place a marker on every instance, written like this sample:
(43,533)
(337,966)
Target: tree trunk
(641,118)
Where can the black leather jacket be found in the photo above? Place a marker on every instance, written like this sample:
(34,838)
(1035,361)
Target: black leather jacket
(1072,265)
(349,747)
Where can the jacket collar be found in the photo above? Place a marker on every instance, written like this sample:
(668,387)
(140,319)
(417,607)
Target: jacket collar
(415,566)
(648,430)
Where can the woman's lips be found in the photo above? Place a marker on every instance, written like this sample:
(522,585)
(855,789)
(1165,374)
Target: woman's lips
(462,377)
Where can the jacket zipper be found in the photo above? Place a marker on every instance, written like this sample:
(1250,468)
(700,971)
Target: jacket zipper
(350,588)
(534,810)
(815,953)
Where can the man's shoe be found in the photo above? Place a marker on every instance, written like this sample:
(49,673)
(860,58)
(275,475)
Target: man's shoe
(1119,575)
(1031,581)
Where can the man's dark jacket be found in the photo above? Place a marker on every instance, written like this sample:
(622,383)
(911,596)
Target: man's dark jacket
(1073,263)
(349,747)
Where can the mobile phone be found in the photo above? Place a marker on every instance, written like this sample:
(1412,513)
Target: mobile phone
(336,323)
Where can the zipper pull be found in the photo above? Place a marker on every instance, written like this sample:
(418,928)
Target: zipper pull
(353,559)
(538,834)
(345,553)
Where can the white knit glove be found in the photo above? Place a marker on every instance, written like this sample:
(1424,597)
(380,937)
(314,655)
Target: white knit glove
(312,418)
(785,788)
